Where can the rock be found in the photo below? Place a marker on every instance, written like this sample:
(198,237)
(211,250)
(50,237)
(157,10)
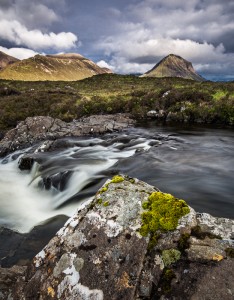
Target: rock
(152,114)
(35,129)
(8,279)
(161,114)
(26,162)
(58,181)
(105,252)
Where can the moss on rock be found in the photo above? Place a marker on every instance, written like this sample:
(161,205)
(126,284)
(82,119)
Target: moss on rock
(163,213)
(170,256)
(117,179)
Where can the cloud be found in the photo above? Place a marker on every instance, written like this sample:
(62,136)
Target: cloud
(15,32)
(104,64)
(29,13)
(152,29)
(20,53)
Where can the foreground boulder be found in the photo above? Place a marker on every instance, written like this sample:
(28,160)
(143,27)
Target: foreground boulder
(132,242)
(40,128)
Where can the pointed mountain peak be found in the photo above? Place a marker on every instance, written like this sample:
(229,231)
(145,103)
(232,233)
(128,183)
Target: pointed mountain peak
(174,66)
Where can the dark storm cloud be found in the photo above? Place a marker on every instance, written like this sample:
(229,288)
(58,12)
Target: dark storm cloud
(27,23)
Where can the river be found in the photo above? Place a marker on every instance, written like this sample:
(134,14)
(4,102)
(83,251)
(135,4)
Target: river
(191,162)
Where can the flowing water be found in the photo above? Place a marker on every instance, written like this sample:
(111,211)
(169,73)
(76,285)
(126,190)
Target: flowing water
(192,163)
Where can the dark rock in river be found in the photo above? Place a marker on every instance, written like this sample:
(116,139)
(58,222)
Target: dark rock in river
(58,181)
(26,163)
(35,129)
(100,253)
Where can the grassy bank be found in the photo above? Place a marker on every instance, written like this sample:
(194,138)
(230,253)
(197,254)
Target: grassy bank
(185,100)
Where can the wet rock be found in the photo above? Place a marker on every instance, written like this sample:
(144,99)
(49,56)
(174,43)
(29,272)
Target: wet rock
(35,129)
(25,163)
(58,181)
(100,253)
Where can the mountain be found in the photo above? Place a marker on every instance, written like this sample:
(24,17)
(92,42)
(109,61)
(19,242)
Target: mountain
(66,67)
(6,60)
(174,66)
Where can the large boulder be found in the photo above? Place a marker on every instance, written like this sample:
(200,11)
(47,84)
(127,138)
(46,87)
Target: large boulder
(132,242)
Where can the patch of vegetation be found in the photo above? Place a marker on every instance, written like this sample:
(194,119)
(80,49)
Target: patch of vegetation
(117,179)
(166,279)
(106,203)
(162,214)
(99,201)
(170,256)
(183,242)
(104,189)
(188,100)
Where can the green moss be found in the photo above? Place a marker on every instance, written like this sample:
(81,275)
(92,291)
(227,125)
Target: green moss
(117,179)
(170,256)
(166,279)
(103,190)
(163,213)
(183,242)
(106,203)
(132,180)
(99,201)
(230,252)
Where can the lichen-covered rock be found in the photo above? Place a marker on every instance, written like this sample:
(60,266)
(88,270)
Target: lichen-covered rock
(105,252)
(39,128)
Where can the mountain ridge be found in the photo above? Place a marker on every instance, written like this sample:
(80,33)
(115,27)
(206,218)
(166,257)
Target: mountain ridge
(6,60)
(174,66)
(65,67)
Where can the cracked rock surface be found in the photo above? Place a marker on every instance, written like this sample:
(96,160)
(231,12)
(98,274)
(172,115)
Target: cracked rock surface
(100,254)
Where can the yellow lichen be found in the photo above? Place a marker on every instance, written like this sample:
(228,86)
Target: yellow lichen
(51,292)
(217,257)
(123,282)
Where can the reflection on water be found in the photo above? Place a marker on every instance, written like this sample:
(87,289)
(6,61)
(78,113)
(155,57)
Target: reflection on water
(194,164)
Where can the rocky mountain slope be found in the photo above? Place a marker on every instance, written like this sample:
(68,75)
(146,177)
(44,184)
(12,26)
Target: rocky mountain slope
(174,66)
(6,60)
(68,67)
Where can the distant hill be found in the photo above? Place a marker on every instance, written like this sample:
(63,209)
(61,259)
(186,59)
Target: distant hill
(174,66)
(6,60)
(68,67)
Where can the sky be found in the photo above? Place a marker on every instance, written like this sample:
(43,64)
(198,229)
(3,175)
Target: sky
(128,36)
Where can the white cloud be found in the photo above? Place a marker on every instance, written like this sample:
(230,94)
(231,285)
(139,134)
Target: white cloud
(104,64)
(140,53)
(152,29)
(15,32)
(20,53)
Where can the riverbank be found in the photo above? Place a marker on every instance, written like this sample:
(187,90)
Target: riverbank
(170,99)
